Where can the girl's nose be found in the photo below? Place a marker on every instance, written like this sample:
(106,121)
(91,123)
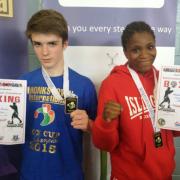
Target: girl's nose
(144,53)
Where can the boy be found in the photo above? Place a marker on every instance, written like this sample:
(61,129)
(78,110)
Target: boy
(60,106)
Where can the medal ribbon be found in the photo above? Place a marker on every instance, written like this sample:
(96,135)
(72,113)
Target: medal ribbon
(145,96)
(51,85)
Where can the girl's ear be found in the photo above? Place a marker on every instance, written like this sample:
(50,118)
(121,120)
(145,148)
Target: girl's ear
(125,53)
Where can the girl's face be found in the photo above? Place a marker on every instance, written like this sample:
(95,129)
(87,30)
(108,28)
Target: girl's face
(141,51)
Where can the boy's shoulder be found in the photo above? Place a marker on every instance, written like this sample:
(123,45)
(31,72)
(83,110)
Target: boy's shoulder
(77,77)
(31,75)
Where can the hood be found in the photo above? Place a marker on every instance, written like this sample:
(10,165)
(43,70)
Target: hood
(122,69)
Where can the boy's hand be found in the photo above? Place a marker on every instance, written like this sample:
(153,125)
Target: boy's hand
(80,120)
(111,111)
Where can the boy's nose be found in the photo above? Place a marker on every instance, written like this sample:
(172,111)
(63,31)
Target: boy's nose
(45,50)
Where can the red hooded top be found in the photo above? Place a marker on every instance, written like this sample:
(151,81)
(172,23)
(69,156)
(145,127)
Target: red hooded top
(129,139)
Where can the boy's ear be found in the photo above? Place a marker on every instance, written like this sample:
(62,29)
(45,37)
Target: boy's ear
(65,45)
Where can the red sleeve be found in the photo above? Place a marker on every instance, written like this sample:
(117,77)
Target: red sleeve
(176,133)
(105,134)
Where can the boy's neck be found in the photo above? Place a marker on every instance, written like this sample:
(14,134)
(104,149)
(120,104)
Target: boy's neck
(56,71)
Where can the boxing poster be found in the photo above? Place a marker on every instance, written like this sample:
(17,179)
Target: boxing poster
(12,111)
(168,98)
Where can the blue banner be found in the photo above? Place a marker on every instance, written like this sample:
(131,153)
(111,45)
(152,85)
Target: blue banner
(13,43)
(95,24)
(13,63)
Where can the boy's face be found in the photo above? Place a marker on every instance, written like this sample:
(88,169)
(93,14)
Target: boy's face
(49,49)
(141,52)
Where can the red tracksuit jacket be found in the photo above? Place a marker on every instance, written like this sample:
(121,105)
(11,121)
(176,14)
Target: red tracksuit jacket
(129,139)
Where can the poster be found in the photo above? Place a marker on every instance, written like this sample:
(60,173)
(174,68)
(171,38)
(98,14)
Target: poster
(168,98)
(12,111)
(6,8)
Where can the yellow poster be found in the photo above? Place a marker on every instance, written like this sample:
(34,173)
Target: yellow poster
(6,8)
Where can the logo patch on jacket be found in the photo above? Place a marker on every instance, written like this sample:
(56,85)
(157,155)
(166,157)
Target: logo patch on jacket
(48,114)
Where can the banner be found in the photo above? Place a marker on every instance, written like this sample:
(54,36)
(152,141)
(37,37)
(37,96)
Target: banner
(13,43)
(13,63)
(95,31)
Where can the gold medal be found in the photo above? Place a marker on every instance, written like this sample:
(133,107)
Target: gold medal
(71,104)
(158,139)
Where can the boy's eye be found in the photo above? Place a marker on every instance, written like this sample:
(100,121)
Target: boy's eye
(36,44)
(54,43)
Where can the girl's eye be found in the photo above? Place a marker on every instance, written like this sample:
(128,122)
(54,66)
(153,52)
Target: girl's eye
(136,50)
(151,47)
